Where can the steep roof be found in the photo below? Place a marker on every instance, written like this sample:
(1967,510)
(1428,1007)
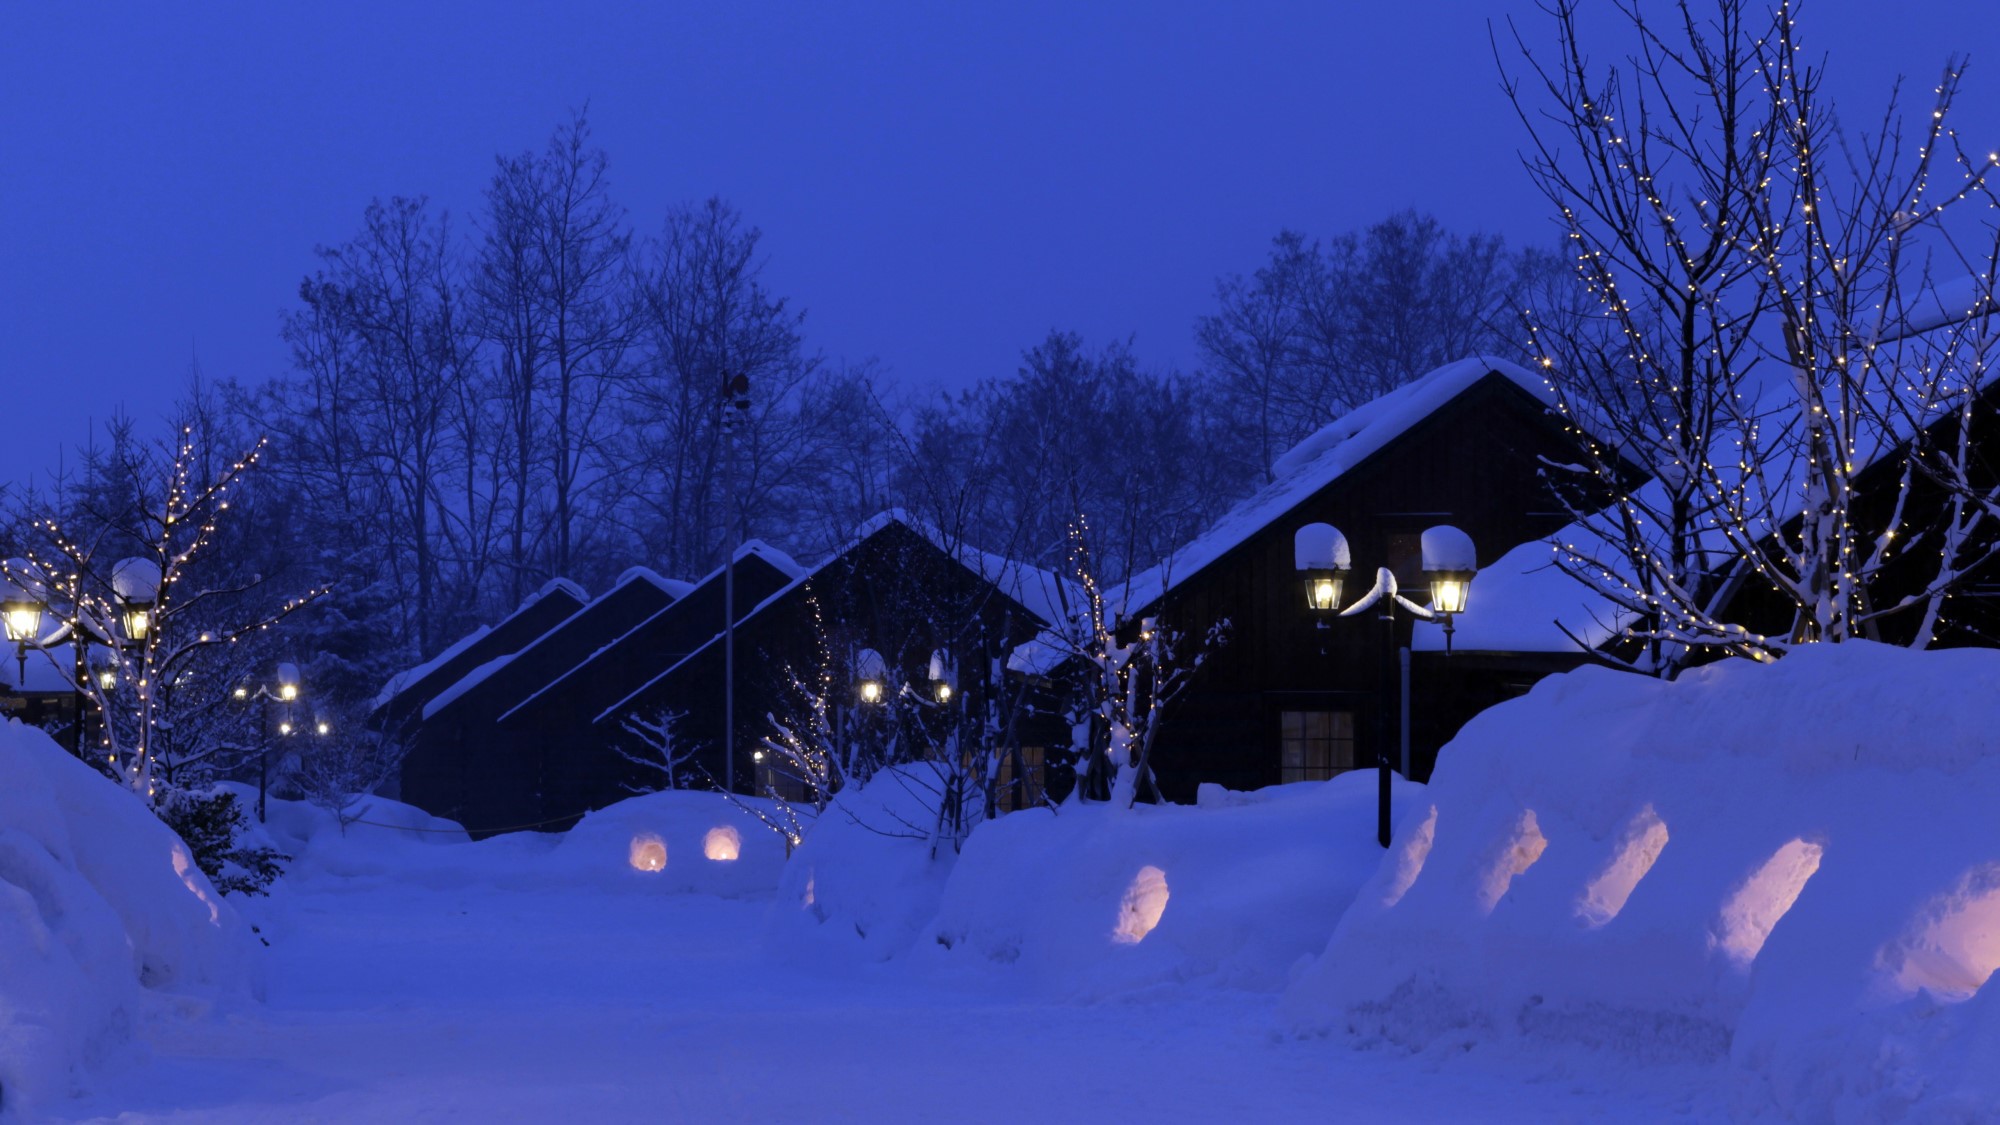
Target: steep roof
(409,690)
(1321,459)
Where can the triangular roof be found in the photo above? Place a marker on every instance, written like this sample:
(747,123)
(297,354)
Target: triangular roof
(406,692)
(1325,456)
(639,593)
(758,564)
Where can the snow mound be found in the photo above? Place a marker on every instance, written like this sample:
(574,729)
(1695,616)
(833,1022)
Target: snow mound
(676,841)
(1095,899)
(100,904)
(1791,867)
(865,882)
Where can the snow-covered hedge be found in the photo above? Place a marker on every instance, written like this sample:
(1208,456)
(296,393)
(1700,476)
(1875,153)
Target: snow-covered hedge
(1097,899)
(675,841)
(99,903)
(866,881)
(1795,867)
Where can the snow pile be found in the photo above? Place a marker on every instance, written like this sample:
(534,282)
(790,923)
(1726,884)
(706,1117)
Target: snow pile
(865,882)
(675,841)
(378,839)
(1096,899)
(99,903)
(1792,866)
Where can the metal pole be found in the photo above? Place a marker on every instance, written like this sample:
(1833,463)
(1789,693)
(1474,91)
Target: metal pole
(263,752)
(1382,705)
(1403,655)
(729,587)
(78,669)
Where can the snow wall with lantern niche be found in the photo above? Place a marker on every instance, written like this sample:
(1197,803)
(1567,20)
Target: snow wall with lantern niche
(104,918)
(1793,867)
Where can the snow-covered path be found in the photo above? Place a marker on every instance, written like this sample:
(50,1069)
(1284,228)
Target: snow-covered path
(451,999)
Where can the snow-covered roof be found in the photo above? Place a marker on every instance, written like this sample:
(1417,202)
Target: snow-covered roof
(1523,602)
(409,677)
(1318,461)
(1040,592)
(674,590)
(669,670)
(778,560)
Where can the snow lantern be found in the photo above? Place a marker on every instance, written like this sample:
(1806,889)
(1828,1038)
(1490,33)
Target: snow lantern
(1319,551)
(722,844)
(1449,564)
(136,581)
(648,853)
(1145,901)
(871,673)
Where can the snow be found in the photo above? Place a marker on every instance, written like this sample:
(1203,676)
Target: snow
(1040,592)
(136,579)
(470,680)
(1447,548)
(674,586)
(1788,870)
(1523,602)
(410,676)
(1097,900)
(104,920)
(1320,546)
(703,843)
(1319,460)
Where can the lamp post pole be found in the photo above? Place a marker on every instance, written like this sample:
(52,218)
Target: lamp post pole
(1320,553)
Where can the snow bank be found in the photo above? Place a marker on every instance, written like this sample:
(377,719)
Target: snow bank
(864,884)
(675,841)
(1094,900)
(99,903)
(1793,867)
(377,841)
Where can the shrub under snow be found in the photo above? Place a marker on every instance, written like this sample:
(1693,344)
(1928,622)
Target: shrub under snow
(1794,867)
(99,903)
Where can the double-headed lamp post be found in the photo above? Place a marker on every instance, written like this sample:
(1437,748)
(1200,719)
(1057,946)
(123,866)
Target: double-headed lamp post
(284,687)
(1449,562)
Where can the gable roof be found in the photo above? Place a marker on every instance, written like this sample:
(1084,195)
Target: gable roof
(673,623)
(1318,461)
(638,593)
(1040,592)
(408,690)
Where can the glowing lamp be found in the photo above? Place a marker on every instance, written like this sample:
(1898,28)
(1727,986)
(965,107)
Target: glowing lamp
(647,853)
(136,581)
(1449,564)
(288,682)
(943,691)
(285,728)
(23,618)
(322,727)
(107,677)
(870,673)
(1319,551)
(722,844)
(241,692)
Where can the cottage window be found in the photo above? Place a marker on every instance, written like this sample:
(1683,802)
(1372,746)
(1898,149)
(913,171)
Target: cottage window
(1028,793)
(1314,745)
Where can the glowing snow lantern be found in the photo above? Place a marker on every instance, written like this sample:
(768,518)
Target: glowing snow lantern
(1319,551)
(1145,900)
(870,673)
(648,853)
(136,581)
(722,844)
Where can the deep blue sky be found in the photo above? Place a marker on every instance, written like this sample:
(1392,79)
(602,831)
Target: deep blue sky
(939,184)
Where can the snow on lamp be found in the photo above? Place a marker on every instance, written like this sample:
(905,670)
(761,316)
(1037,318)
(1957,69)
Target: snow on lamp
(136,581)
(941,674)
(288,682)
(870,673)
(1320,553)
(1449,564)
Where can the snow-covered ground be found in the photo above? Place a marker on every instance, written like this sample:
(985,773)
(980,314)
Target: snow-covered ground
(469,988)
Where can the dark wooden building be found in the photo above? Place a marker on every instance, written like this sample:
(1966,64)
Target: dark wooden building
(1293,697)
(399,708)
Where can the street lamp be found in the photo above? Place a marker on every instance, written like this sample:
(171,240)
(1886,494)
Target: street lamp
(21,612)
(285,689)
(871,673)
(1449,562)
(941,675)
(136,581)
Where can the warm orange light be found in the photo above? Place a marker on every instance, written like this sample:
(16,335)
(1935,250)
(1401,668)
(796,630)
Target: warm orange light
(1145,901)
(722,844)
(648,853)
(1754,910)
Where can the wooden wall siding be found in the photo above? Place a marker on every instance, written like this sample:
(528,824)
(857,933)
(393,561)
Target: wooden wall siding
(1474,464)
(895,592)
(458,740)
(517,630)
